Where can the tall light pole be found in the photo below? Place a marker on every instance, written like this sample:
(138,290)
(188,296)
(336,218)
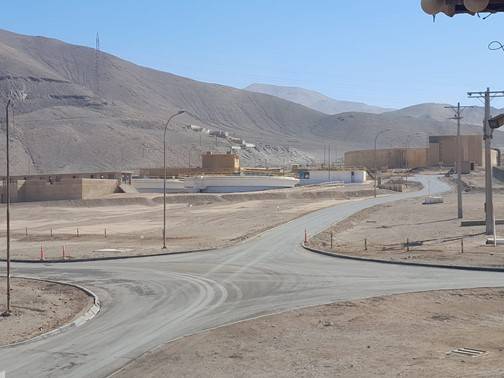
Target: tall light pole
(164,170)
(487,136)
(375,169)
(7,193)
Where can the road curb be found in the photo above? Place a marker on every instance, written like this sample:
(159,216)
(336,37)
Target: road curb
(347,197)
(94,259)
(245,240)
(80,320)
(404,263)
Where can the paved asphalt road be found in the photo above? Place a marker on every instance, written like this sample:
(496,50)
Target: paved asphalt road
(150,301)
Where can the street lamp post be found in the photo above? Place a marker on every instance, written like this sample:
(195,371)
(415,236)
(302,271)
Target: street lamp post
(164,171)
(7,194)
(375,168)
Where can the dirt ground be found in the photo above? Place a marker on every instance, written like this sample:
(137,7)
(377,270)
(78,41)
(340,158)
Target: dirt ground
(433,231)
(476,181)
(38,307)
(133,223)
(384,336)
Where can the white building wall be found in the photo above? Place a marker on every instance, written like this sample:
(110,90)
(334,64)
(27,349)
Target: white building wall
(324,176)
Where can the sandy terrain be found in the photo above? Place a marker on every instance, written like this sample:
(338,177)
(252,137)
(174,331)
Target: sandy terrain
(133,223)
(433,231)
(38,307)
(476,181)
(384,336)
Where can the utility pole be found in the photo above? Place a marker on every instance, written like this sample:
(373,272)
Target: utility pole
(458,116)
(7,193)
(487,136)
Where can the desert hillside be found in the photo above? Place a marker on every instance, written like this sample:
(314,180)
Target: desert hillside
(75,110)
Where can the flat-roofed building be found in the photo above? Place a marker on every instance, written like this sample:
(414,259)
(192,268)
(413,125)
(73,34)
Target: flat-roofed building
(387,158)
(222,163)
(442,151)
(63,186)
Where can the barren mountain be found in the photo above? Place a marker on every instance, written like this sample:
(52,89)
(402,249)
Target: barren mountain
(314,100)
(75,110)
(404,131)
(439,112)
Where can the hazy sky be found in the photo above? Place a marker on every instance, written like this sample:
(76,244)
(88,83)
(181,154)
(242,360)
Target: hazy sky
(384,52)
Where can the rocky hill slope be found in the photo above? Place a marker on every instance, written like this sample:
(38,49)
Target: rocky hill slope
(314,100)
(75,110)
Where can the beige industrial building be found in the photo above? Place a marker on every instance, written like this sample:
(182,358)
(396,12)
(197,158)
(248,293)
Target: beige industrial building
(212,163)
(69,186)
(442,151)
(228,163)
(389,158)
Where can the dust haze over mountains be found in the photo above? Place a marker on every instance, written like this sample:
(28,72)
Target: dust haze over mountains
(82,113)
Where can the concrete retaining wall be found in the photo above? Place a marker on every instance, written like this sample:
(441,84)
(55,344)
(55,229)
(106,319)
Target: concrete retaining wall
(42,190)
(311,177)
(64,189)
(98,188)
(389,158)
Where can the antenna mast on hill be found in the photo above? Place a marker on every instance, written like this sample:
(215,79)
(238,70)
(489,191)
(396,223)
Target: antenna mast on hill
(97,61)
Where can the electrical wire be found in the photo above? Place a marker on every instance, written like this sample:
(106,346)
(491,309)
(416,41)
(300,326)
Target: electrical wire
(496,45)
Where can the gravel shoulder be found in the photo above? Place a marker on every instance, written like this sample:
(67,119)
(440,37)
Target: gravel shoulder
(383,336)
(433,231)
(131,225)
(39,307)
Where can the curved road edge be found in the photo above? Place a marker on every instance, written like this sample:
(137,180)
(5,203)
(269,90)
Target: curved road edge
(406,263)
(109,258)
(175,253)
(80,320)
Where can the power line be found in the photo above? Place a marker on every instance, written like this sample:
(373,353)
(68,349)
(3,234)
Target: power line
(496,45)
